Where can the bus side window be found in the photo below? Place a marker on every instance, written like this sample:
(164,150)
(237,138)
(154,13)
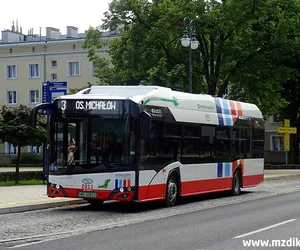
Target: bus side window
(207,145)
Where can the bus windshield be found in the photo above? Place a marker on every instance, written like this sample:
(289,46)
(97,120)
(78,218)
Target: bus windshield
(91,143)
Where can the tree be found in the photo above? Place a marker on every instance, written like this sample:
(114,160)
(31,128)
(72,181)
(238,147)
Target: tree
(241,43)
(75,90)
(291,93)
(15,128)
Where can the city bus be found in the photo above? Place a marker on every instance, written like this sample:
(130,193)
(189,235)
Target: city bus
(148,143)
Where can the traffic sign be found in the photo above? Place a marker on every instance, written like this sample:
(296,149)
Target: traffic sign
(287,131)
(283,130)
(52,90)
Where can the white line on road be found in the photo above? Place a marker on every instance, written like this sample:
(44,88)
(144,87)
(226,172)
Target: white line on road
(263,229)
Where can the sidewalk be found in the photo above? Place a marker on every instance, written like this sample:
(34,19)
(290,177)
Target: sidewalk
(27,198)
(32,197)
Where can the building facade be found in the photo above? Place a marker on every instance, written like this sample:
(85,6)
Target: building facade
(28,60)
(274,142)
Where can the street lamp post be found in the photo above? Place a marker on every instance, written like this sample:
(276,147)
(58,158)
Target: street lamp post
(189,40)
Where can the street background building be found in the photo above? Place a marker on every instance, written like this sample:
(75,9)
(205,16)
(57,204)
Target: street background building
(28,60)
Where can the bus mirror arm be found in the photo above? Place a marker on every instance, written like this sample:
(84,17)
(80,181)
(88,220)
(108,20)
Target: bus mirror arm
(35,111)
(145,125)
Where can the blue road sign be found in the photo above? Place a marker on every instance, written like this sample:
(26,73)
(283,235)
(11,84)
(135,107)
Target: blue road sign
(58,84)
(52,90)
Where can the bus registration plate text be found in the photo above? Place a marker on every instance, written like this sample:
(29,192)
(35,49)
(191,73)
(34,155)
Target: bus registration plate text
(87,194)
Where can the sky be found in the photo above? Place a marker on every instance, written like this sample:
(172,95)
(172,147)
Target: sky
(52,13)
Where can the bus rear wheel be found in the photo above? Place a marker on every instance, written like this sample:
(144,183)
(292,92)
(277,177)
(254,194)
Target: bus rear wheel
(171,191)
(236,183)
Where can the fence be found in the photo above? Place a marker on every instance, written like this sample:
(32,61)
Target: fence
(26,159)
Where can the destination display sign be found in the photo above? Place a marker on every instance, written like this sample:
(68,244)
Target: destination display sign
(93,107)
(101,105)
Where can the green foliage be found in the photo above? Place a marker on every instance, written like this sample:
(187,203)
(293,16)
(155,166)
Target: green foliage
(241,44)
(15,127)
(75,90)
(29,158)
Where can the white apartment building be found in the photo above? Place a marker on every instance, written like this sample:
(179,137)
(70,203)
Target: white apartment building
(28,60)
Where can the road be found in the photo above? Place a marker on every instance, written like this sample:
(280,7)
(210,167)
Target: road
(270,211)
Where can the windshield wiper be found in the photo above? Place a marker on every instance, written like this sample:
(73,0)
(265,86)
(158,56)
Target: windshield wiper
(106,163)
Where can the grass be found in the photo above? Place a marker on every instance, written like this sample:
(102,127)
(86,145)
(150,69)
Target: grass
(21,183)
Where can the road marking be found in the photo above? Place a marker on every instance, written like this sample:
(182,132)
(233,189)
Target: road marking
(35,236)
(263,229)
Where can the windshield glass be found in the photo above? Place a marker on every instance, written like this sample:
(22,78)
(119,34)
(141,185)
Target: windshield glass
(92,143)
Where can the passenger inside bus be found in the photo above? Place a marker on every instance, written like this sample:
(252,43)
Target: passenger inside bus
(71,149)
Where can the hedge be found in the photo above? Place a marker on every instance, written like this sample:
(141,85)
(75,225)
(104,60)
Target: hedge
(26,175)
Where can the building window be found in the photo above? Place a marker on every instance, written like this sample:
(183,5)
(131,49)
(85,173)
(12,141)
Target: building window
(53,77)
(73,69)
(34,149)
(10,149)
(11,97)
(275,119)
(34,70)
(11,71)
(53,64)
(277,143)
(34,96)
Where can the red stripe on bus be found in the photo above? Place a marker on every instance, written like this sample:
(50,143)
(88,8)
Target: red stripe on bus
(154,192)
(232,107)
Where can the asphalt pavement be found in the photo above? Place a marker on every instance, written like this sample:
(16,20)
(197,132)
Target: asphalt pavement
(273,218)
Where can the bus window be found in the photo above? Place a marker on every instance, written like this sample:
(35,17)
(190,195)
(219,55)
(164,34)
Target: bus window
(207,145)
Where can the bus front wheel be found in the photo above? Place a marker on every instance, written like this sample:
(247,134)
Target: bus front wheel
(171,191)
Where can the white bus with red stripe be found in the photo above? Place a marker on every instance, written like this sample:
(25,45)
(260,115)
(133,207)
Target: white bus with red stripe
(146,143)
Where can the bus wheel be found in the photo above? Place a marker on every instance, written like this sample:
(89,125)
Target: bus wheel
(172,191)
(236,183)
(95,203)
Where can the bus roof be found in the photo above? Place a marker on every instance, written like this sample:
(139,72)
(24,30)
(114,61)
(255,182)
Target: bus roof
(176,101)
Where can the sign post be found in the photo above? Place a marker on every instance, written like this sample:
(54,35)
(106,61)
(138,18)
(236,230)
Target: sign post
(50,91)
(287,131)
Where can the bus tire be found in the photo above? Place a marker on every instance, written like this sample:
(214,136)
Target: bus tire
(95,203)
(236,183)
(171,191)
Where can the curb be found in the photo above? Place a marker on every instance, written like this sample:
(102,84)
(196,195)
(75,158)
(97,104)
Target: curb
(32,207)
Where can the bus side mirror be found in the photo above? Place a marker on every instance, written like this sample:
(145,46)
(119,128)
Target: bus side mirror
(36,109)
(145,125)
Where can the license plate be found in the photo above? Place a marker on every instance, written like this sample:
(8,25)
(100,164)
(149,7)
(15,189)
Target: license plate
(87,194)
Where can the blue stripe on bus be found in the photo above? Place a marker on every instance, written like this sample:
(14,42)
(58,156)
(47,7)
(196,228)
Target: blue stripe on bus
(225,106)
(228,120)
(220,118)
(116,183)
(227,169)
(218,105)
(220,169)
